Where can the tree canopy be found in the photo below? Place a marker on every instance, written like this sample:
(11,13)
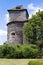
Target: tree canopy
(33,30)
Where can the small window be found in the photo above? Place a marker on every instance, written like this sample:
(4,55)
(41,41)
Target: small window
(13,33)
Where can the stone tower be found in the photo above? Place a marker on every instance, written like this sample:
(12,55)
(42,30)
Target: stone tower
(17,17)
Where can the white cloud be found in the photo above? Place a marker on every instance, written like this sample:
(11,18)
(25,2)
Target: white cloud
(33,8)
(7,18)
(3,36)
(30,15)
(3,32)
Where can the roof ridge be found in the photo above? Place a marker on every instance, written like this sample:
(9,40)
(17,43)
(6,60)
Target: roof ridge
(19,7)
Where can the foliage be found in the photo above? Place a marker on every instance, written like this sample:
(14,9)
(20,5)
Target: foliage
(1,54)
(18,51)
(35,63)
(33,30)
(30,51)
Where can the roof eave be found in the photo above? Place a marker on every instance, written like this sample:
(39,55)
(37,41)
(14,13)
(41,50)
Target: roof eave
(17,22)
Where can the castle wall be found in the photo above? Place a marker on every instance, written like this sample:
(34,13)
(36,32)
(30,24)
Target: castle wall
(15,35)
(15,15)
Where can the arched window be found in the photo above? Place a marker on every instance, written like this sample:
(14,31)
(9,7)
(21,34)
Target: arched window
(13,34)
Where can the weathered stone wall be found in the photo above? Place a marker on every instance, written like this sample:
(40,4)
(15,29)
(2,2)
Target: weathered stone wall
(16,30)
(13,15)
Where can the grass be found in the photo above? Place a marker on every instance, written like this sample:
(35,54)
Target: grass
(14,61)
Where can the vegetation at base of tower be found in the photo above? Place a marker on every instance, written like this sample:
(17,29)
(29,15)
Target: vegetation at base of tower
(33,30)
(20,51)
(35,63)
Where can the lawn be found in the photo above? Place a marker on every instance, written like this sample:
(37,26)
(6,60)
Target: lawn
(14,61)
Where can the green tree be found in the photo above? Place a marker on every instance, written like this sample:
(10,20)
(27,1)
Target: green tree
(33,30)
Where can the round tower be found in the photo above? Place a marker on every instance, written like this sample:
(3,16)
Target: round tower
(17,17)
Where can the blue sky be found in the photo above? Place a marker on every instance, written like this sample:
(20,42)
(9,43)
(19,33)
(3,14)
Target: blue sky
(31,5)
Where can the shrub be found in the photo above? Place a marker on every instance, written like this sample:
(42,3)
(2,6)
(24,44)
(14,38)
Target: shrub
(19,51)
(1,54)
(35,63)
(30,52)
(8,51)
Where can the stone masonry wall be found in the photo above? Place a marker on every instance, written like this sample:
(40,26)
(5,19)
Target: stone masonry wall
(16,30)
(13,15)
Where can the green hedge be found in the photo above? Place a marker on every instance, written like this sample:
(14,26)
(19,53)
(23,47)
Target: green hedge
(19,51)
(35,63)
